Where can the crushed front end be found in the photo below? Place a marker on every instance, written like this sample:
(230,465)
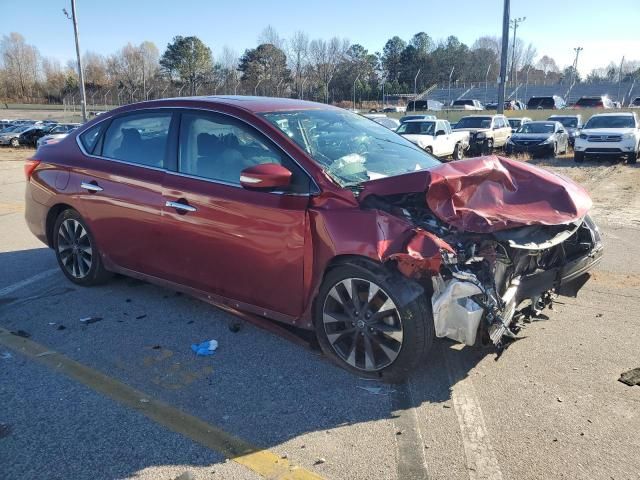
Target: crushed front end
(484,284)
(494,241)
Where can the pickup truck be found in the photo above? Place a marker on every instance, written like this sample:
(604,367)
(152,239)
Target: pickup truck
(435,137)
(466,104)
(609,134)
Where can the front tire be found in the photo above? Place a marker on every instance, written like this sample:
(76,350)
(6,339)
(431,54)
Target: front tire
(632,158)
(15,142)
(76,250)
(578,157)
(365,327)
(488,147)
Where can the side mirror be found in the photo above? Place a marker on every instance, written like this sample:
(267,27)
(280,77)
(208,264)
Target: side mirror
(440,132)
(265,176)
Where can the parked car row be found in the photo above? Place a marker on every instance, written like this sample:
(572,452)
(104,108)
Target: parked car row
(33,133)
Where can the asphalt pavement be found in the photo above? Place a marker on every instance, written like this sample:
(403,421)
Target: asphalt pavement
(550,407)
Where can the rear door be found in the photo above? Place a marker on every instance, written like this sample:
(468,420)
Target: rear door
(119,186)
(246,245)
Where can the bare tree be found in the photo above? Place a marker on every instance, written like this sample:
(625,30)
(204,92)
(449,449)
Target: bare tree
(298,57)
(20,63)
(270,35)
(325,57)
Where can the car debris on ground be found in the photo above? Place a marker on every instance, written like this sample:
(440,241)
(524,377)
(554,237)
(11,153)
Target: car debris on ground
(205,348)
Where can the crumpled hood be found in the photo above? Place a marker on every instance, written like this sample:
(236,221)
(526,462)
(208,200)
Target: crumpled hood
(488,194)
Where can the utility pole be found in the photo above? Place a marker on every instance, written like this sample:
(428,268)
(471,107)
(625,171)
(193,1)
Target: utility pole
(503,56)
(415,89)
(83,97)
(575,65)
(514,68)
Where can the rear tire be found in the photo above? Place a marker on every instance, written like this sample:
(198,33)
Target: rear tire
(355,334)
(578,157)
(458,152)
(488,147)
(632,158)
(76,250)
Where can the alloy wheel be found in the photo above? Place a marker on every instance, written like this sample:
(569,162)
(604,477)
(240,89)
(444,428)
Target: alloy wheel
(74,248)
(362,324)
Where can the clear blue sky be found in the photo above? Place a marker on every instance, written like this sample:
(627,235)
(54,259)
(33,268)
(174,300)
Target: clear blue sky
(606,30)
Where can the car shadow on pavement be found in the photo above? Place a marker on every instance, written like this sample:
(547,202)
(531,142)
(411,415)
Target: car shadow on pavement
(257,386)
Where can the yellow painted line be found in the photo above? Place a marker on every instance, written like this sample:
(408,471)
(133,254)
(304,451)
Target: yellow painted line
(11,207)
(262,462)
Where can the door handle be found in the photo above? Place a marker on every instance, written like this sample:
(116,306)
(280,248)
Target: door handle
(92,187)
(180,206)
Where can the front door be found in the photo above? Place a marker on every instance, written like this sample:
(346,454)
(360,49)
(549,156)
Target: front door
(246,245)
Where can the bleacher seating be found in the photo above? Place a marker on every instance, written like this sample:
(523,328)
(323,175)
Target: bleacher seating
(628,91)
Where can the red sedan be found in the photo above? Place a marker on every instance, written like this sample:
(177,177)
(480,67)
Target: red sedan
(315,217)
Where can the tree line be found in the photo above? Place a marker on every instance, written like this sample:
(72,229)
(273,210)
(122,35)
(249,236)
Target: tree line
(332,70)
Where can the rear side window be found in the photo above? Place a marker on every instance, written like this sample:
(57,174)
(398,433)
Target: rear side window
(89,138)
(138,138)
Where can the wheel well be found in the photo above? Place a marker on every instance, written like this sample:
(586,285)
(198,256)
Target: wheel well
(52,215)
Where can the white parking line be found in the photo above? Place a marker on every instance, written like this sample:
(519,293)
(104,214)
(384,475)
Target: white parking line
(482,463)
(27,281)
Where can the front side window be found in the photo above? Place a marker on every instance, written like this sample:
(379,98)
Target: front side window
(138,138)
(218,148)
(350,148)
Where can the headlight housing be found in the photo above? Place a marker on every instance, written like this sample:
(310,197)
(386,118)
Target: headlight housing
(627,135)
(583,136)
(548,141)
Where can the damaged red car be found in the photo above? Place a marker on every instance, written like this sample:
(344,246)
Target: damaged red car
(312,216)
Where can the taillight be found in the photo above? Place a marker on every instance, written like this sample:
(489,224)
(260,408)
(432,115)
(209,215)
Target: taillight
(29,166)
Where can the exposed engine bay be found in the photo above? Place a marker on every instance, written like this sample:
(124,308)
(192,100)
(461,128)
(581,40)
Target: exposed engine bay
(486,284)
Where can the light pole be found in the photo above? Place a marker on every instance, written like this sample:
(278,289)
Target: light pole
(503,55)
(486,84)
(450,76)
(304,80)
(383,82)
(354,91)
(278,87)
(415,89)
(255,90)
(105,98)
(83,97)
(620,79)
(514,69)
(526,84)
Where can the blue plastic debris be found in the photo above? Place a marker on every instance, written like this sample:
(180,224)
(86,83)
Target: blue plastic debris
(205,348)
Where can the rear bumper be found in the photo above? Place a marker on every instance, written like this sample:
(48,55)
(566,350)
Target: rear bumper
(35,215)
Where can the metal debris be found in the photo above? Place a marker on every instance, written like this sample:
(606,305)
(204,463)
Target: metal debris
(320,461)
(5,430)
(21,333)
(140,317)
(631,378)
(89,320)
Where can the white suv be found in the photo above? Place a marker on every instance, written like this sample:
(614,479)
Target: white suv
(611,134)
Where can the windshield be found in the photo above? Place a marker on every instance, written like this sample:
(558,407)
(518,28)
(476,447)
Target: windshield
(535,127)
(613,121)
(474,122)
(350,148)
(514,123)
(463,102)
(569,122)
(543,102)
(417,128)
(589,102)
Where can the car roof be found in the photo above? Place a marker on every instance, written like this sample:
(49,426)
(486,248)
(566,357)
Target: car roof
(418,120)
(260,104)
(615,114)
